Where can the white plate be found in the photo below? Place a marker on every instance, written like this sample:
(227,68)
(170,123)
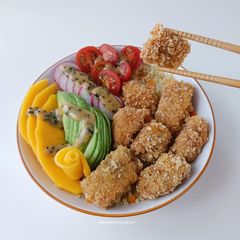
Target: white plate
(201,105)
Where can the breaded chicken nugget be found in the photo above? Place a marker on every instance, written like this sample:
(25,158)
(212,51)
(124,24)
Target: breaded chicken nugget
(192,138)
(141,94)
(163,176)
(175,105)
(112,179)
(151,142)
(165,48)
(127,122)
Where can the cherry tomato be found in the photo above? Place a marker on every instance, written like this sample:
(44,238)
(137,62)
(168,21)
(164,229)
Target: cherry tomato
(85,58)
(132,56)
(109,53)
(111,81)
(125,71)
(97,68)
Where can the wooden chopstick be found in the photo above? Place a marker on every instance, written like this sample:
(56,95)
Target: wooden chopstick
(209,78)
(208,41)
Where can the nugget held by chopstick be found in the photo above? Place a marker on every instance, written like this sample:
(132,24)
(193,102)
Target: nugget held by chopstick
(192,138)
(112,179)
(165,48)
(163,176)
(175,105)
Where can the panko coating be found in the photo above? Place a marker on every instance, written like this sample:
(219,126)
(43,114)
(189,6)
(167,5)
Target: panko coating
(192,138)
(127,122)
(165,48)
(151,142)
(175,105)
(112,179)
(141,94)
(162,177)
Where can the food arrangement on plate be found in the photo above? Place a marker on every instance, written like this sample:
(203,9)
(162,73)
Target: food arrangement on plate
(112,128)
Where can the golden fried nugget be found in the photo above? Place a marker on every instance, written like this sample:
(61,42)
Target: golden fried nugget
(151,142)
(175,105)
(163,176)
(112,179)
(165,48)
(141,94)
(192,138)
(127,122)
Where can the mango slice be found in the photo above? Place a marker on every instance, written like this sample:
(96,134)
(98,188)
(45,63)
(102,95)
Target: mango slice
(72,161)
(27,102)
(38,101)
(46,135)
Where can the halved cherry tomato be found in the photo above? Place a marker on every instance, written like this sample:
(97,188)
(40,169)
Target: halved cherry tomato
(109,53)
(132,55)
(85,58)
(111,81)
(97,68)
(125,71)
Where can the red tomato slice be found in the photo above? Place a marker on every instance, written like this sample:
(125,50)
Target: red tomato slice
(97,68)
(109,53)
(132,55)
(125,71)
(85,58)
(111,81)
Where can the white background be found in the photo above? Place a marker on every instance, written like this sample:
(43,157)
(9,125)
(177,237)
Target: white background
(35,34)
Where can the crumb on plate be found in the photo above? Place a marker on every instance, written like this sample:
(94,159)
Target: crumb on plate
(150,72)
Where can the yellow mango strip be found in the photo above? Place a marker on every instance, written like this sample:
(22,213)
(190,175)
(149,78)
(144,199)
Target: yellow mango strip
(48,135)
(72,162)
(38,101)
(27,102)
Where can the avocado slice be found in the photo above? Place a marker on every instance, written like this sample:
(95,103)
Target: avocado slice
(97,152)
(100,143)
(91,145)
(104,139)
(93,142)
(109,139)
(72,128)
(63,97)
(103,136)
